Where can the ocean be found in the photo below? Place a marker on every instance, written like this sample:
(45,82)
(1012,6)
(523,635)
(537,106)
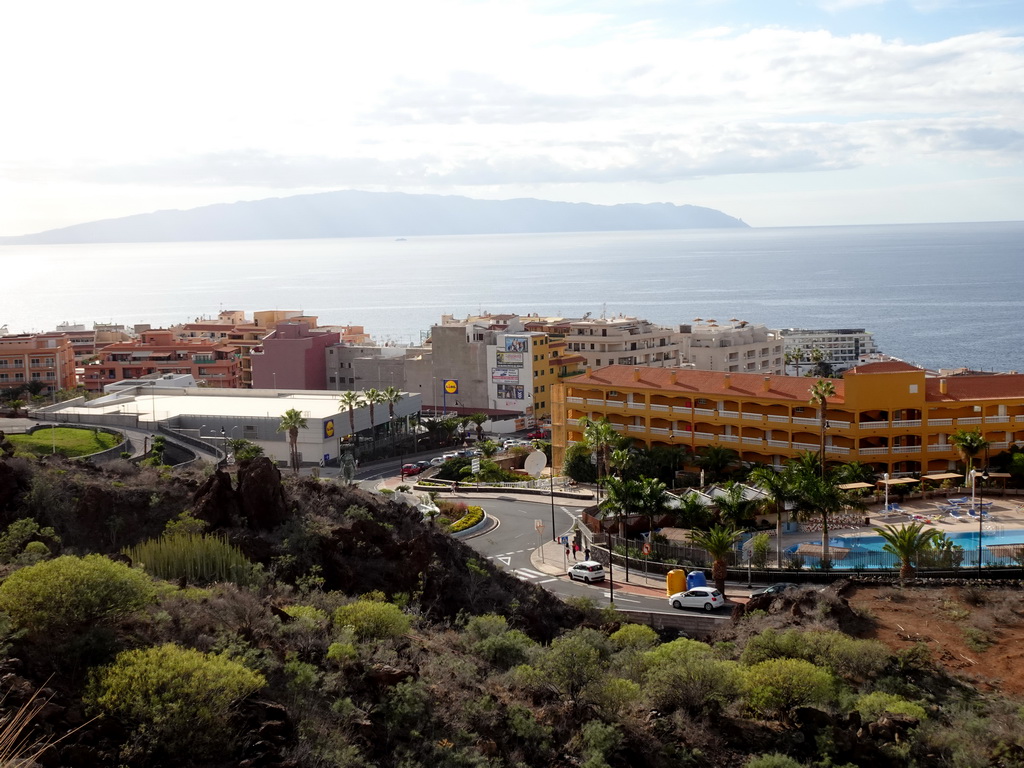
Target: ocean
(938,295)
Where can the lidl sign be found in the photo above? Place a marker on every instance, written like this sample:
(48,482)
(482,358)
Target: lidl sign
(451,386)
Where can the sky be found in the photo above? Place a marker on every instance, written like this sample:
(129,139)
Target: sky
(787,113)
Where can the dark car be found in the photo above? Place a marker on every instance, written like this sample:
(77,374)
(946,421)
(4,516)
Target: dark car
(423,465)
(774,589)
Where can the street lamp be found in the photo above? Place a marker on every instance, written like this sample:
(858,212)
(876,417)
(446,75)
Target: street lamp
(980,508)
(885,478)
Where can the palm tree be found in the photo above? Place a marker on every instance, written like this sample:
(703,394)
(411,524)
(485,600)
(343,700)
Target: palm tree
(433,428)
(621,459)
(821,495)
(692,513)
(373,396)
(968,444)
(15,405)
(622,497)
(907,543)
(734,507)
(391,396)
(478,419)
(488,448)
(821,391)
(600,436)
(716,460)
(795,357)
(448,427)
(291,422)
(779,489)
(719,543)
(856,472)
(351,400)
(821,365)
(652,499)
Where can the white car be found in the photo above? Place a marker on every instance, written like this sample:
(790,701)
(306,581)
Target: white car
(707,598)
(437,461)
(587,571)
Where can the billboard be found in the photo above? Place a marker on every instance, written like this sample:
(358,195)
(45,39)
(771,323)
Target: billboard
(510,375)
(511,392)
(517,344)
(510,359)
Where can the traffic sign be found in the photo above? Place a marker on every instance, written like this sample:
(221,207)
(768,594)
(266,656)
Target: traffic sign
(646,548)
(475,465)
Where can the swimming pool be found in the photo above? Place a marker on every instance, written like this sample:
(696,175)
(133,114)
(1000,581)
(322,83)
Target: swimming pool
(999,547)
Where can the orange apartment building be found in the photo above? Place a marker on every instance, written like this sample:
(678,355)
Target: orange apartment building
(214,362)
(44,359)
(891,416)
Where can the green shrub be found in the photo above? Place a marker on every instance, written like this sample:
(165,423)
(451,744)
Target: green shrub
(307,617)
(774,687)
(687,674)
(22,533)
(873,705)
(774,760)
(177,699)
(634,637)
(473,516)
(372,620)
(842,654)
(504,650)
(64,595)
(194,558)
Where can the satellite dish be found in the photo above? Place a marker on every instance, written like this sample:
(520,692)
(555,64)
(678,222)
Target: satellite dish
(535,463)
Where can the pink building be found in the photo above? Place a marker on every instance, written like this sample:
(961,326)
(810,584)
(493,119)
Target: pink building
(292,357)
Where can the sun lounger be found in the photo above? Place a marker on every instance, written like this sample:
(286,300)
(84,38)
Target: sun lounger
(982,513)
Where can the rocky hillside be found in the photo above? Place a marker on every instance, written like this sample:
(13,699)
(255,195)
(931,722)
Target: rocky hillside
(301,623)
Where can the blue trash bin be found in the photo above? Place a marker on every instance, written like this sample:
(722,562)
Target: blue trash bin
(696,579)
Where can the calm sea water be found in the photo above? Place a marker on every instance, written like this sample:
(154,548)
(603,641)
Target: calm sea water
(937,295)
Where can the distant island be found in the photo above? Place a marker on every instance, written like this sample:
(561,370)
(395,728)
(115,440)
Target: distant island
(353,213)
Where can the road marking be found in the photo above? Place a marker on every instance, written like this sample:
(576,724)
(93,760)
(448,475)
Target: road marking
(546,581)
(505,560)
(526,573)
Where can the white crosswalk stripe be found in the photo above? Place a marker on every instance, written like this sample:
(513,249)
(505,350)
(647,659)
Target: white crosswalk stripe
(526,574)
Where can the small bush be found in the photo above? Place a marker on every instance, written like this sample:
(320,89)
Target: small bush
(774,760)
(873,705)
(473,516)
(776,686)
(372,620)
(177,699)
(194,558)
(307,617)
(687,674)
(634,637)
(842,654)
(64,595)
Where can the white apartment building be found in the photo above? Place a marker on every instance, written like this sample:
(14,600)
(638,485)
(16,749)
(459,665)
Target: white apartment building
(737,347)
(843,347)
(623,341)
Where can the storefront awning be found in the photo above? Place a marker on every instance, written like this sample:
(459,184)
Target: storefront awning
(943,476)
(899,481)
(854,486)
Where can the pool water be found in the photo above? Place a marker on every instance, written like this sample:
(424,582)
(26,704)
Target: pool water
(868,552)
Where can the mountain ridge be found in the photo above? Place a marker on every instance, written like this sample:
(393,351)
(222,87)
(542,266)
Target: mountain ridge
(353,213)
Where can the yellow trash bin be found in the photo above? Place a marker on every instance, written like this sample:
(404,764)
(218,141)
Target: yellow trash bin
(675,582)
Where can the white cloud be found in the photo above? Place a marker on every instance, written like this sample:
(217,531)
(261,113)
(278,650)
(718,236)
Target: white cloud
(468,95)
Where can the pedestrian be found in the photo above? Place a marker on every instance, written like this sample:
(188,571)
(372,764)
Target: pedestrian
(575,550)
(586,553)
(566,551)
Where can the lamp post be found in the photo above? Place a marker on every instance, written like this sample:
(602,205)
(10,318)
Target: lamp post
(885,481)
(394,451)
(980,509)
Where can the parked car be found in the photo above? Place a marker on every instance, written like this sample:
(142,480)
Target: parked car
(707,598)
(774,589)
(411,469)
(588,571)
(539,434)
(437,461)
(423,465)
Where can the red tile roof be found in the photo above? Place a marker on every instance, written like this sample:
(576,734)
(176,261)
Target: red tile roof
(796,388)
(1006,387)
(889,366)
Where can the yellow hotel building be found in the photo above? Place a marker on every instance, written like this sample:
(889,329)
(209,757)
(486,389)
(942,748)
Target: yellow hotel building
(889,415)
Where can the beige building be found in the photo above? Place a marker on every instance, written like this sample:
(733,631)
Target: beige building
(738,347)
(623,341)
